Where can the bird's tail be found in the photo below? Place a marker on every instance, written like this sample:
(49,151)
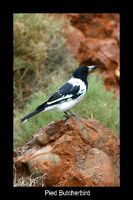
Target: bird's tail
(24,119)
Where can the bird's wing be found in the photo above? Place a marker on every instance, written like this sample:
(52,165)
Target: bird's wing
(65,93)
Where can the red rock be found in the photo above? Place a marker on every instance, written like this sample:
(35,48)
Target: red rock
(74,40)
(74,17)
(81,153)
(47,164)
(99,169)
(117,73)
(46,134)
(95,40)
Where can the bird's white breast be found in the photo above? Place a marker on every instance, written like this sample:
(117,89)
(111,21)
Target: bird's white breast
(68,104)
(77,82)
(72,102)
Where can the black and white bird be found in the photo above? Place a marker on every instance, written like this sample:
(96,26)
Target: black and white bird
(68,95)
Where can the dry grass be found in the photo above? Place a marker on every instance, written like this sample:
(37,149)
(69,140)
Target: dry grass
(29,181)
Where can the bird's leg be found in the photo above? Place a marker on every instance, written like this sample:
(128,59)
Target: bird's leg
(69,114)
(66,115)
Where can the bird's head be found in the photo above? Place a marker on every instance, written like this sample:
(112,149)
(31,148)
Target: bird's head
(91,68)
(83,71)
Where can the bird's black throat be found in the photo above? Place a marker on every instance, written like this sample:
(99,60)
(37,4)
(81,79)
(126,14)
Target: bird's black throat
(82,74)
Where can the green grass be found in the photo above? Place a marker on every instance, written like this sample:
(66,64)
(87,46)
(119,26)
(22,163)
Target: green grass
(98,103)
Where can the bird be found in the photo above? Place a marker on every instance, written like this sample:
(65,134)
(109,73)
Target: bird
(66,97)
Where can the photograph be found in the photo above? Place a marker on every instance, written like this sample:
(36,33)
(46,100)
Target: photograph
(66,101)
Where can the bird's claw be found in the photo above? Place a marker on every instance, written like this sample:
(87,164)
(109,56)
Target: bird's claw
(69,114)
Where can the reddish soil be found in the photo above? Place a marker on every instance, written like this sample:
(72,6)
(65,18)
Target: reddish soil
(76,152)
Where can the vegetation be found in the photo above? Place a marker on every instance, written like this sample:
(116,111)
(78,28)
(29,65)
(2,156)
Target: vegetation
(29,181)
(98,104)
(39,50)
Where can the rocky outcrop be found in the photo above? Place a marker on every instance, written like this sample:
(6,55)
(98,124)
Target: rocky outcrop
(95,39)
(73,152)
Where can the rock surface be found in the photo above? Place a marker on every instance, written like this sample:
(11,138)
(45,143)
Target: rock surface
(76,152)
(95,39)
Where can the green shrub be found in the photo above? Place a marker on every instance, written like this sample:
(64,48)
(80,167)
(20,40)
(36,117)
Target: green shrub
(39,50)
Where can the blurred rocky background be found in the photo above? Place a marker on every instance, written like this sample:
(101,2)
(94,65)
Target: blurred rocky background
(96,39)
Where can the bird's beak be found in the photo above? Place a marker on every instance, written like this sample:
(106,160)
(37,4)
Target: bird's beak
(91,68)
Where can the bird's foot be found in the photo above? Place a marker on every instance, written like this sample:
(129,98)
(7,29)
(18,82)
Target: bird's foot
(69,114)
